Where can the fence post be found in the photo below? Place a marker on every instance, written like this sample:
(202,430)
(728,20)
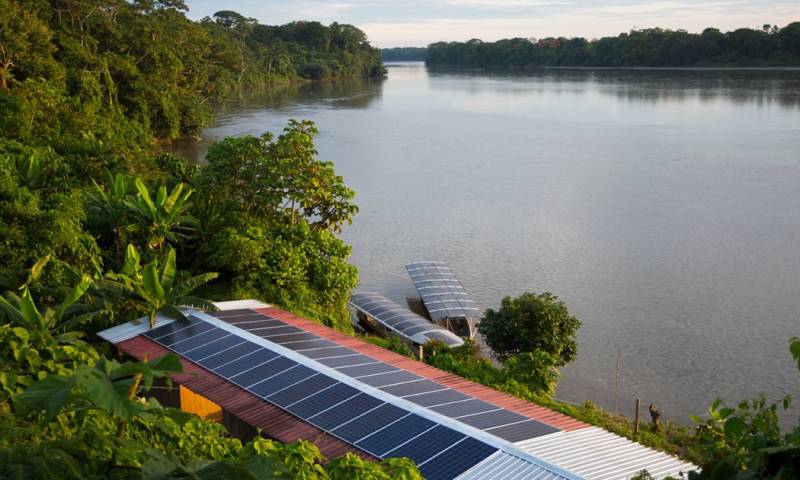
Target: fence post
(636,421)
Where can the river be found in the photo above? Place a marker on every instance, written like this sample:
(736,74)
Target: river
(662,206)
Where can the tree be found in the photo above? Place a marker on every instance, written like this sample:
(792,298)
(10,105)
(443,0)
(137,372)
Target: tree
(158,290)
(277,179)
(162,219)
(531,323)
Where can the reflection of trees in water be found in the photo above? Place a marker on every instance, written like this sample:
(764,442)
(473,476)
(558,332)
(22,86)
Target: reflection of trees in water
(758,87)
(336,94)
(342,93)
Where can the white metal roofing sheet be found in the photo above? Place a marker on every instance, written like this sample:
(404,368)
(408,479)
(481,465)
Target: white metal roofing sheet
(596,454)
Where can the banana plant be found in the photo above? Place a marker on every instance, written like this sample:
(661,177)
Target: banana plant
(156,289)
(163,218)
(21,310)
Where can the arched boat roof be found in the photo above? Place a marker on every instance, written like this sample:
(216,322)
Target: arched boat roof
(402,321)
(441,292)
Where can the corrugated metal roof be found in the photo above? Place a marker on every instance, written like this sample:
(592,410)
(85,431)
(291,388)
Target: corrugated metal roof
(505,466)
(596,454)
(273,421)
(504,400)
(577,451)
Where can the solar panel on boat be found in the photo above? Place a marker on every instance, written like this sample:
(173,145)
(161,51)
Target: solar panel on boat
(399,320)
(440,291)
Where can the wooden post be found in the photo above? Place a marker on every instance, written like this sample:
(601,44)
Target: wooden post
(421,356)
(616,384)
(636,420)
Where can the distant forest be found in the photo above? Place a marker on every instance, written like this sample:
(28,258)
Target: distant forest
(652,47)
(404,54)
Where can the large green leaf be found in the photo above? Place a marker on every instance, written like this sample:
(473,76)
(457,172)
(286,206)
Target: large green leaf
(96,386)
(73,296)
(151,282)
(186,287)
(29,310)
(168,270)
(14,315)
(48,395)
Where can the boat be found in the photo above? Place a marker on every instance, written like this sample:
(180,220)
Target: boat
(446,301)
(390,319)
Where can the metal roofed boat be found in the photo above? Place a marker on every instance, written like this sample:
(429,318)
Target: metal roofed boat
(389,318)
(445,299)
(291,378)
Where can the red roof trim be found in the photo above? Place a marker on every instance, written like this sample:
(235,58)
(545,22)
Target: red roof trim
(504,400)
(274,422)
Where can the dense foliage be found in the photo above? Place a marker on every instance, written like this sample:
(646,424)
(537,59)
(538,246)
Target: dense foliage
(652,47)
(100,228)
(404,54)
(94,76)
(531,328)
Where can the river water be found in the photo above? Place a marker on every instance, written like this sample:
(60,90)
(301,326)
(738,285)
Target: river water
(662,206)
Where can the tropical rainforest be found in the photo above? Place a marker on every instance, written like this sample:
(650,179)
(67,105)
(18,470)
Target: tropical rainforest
(99,227)
(651,47)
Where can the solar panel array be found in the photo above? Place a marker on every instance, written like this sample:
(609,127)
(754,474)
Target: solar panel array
(401,320)
(441,292)
(359,418)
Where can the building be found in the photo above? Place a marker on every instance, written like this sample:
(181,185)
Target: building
(266,369)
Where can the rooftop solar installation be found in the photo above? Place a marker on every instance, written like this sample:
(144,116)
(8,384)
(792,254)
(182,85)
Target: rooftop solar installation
(376,403)
(441,292)
(373,405)
(400,321)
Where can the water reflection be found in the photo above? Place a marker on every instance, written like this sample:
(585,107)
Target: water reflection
(757,87)
(662,206)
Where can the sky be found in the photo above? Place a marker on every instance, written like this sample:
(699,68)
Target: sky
(396,23)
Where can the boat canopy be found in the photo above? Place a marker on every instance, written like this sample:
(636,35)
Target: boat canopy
(402,321)
(442,294)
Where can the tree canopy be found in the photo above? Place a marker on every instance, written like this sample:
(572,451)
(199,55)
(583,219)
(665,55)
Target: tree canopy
(531,323)
(651,47)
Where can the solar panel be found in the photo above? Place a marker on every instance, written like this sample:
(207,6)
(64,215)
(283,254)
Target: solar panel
(468,407)
(302,390)
(258,373)
(369,369)
(395,318)
(349,360)
(365,425)
(400,432)
(323,400)
(492,419)
(522,431)
(330,352)
(412,388)
(309,345)
(226,356)
(391,378)
(212,348)
(469,452)
(428,444)
(370,423)
(183,334)
(199,340)
(244,362)
(441,292)
(346,411)
(437,398)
